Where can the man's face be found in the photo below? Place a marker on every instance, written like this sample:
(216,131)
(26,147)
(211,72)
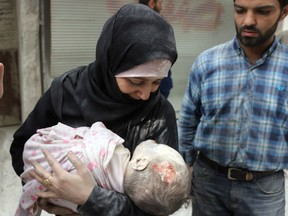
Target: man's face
(158,6)
(256,21)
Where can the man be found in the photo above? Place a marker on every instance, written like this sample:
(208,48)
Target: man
(153,4)
(1,79)
(166,84)
(233,119)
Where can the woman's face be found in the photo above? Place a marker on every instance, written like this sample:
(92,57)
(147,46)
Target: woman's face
(140,81)
(138,88)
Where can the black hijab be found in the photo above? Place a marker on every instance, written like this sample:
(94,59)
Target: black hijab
(84,95)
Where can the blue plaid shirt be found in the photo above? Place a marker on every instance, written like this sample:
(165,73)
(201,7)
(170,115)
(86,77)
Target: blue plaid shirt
(236,112)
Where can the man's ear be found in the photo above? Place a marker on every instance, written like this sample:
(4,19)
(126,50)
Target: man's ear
(139,163)
(284,12)
(151,4)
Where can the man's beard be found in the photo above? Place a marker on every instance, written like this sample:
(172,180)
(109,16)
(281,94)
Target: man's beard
(255,41)
(156,9)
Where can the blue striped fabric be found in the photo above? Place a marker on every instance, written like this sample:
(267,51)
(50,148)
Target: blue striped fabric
(235,112)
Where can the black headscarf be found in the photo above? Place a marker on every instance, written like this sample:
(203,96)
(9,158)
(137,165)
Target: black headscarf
(134,35)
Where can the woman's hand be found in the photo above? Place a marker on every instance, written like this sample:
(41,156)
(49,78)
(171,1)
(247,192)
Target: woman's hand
(74,187)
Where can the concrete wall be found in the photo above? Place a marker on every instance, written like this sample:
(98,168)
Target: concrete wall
(285,24)
(29,54)
(20,53)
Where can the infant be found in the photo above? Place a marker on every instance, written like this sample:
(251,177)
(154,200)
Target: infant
(156,178)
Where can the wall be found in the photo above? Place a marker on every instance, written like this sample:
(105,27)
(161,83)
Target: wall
(10,106)
(29,54)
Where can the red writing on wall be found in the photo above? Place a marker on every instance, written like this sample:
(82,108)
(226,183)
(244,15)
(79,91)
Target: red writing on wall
(204,15)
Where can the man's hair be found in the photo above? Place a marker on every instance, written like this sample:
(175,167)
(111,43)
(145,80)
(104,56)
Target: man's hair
(145,2)
(151,193)
(283,3)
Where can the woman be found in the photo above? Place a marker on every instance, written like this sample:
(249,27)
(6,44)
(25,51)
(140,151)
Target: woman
(120,88)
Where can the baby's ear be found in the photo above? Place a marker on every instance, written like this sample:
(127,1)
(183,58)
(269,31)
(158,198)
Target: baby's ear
(139,163)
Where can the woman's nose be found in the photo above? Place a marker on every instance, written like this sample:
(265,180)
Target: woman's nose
(144,93)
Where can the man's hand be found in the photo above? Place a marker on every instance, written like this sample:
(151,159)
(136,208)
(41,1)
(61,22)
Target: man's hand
(1,79)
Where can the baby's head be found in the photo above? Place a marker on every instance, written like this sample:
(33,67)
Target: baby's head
(157,179)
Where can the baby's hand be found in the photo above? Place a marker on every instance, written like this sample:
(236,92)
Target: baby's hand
(53,209)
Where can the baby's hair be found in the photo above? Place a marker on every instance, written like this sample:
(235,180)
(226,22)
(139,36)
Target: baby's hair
(161,188)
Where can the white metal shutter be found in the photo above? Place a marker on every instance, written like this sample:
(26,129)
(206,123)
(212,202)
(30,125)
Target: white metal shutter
(75,28)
